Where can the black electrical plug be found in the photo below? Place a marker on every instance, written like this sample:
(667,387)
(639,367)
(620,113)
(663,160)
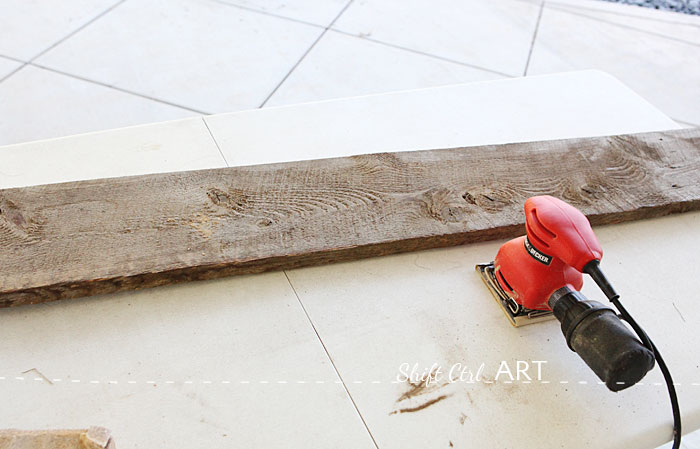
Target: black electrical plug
(601,339)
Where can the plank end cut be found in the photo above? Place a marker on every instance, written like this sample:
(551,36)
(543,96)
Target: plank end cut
(92,438)
(101,236)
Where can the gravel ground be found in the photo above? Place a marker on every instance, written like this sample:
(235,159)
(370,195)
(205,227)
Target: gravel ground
(684,6)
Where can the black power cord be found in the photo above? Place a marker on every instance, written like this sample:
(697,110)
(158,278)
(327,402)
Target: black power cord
(593,269)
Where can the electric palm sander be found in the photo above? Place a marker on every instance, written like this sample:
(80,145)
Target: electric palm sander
(527,270)
(539,275)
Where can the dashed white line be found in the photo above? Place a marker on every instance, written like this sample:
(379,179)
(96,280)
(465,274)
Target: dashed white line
(337,381)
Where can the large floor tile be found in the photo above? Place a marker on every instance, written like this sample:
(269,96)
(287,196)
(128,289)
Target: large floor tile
(431,308)
(201,365)
(665,23)
(28,27)
(664,71)
(203,55)
(7,66)
(344,66)
(39,104)
(158,148)
(493,34)
(319,12)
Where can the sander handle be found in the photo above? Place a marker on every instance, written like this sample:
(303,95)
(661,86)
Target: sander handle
(557,228)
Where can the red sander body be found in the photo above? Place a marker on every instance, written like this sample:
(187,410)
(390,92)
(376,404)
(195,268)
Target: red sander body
(527,270)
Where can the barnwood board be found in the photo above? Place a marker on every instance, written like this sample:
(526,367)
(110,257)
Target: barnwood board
(90,237)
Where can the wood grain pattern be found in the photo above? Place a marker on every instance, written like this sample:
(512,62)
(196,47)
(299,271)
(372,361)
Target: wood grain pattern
(84,238)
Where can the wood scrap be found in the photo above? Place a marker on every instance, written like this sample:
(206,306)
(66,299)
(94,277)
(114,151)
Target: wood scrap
(92,438)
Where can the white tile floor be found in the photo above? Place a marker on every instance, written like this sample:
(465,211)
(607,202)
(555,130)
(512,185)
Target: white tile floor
(93,65)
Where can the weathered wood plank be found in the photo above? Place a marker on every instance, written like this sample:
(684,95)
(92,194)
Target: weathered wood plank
(84,238)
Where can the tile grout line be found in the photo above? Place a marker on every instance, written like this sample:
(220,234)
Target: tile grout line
(215,142)
(552,4)
(422,53)
(99,83)
(120,89)
(335,30)
(31,62)
(76,31)
(14,71)
(222,2)
(266,13)
(323,33)
(534,38)
(620,25)
(335,368)
(12,58)
(63,39)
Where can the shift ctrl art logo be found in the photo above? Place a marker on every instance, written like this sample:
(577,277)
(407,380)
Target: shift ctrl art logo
(513,371)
